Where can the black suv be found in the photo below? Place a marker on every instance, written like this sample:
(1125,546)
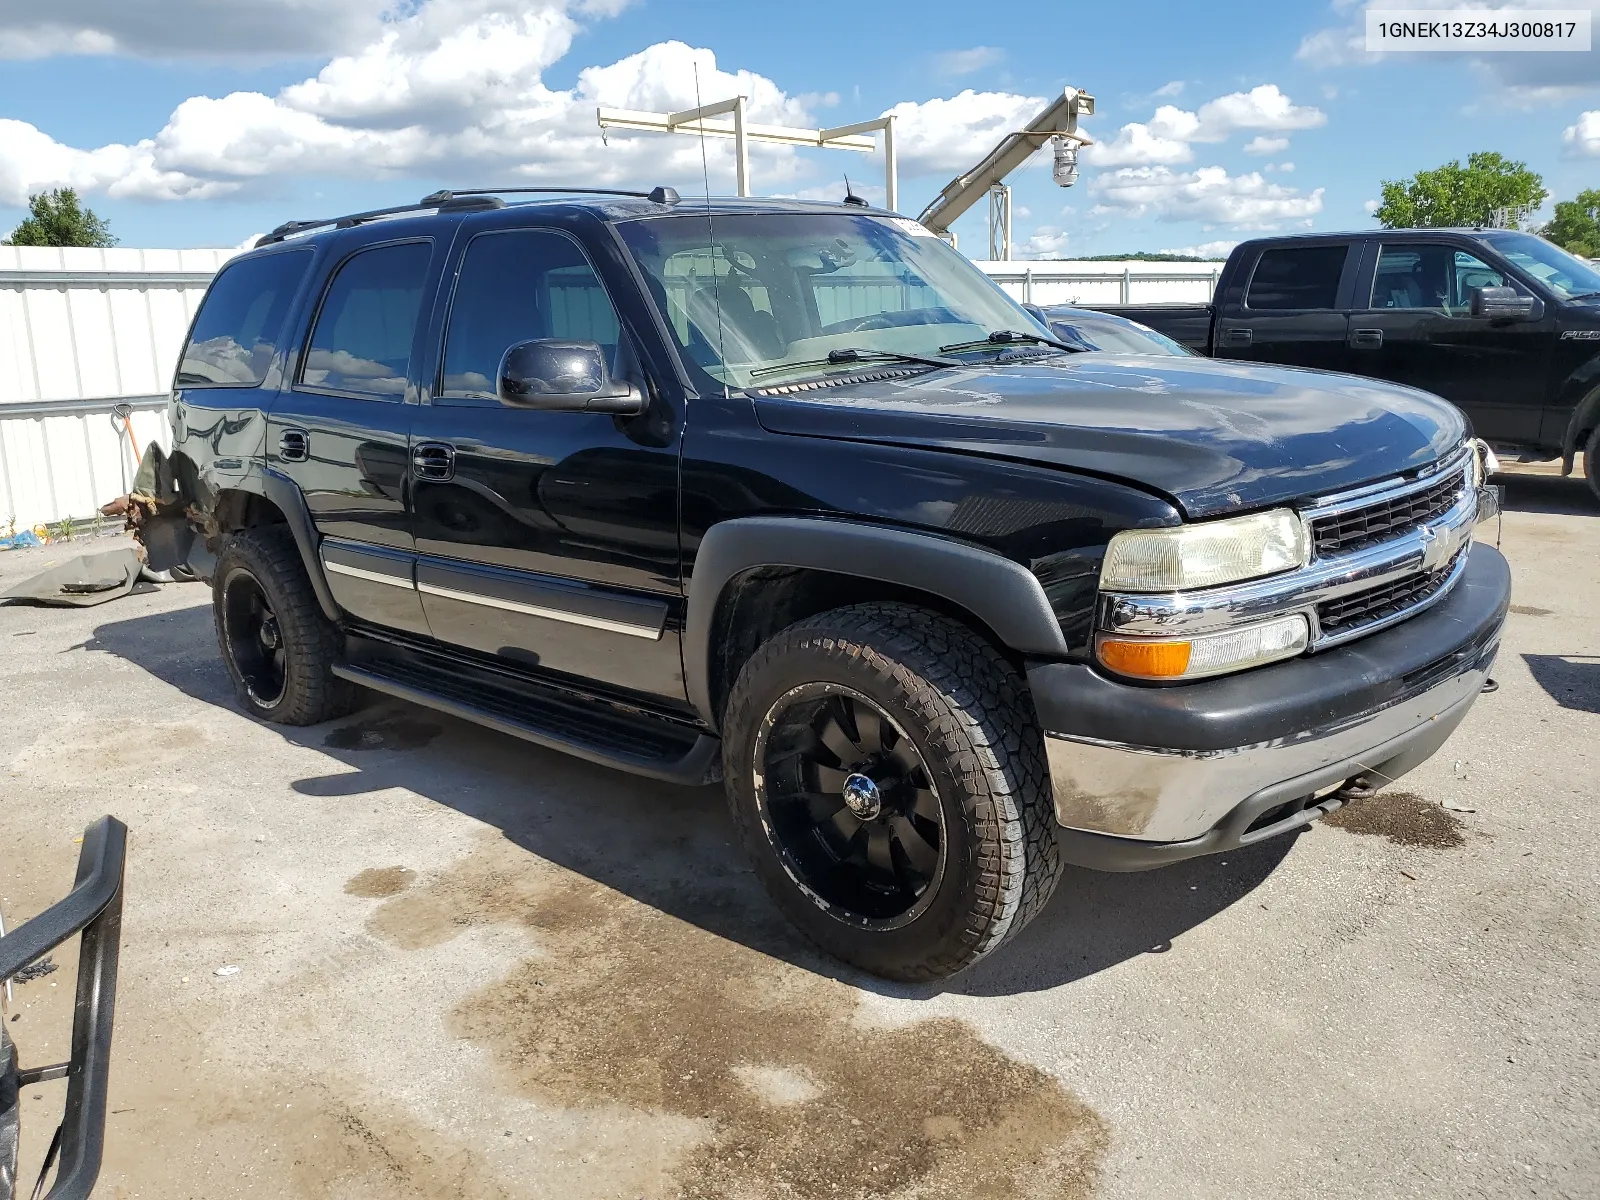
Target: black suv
(790,494)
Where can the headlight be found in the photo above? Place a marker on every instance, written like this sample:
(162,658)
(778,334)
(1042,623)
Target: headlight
(1204,555)
(1209,654)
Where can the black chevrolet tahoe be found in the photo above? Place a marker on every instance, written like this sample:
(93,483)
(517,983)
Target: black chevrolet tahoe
(791,495)
(1501,323)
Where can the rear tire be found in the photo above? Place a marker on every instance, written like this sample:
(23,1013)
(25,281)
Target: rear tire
(924,836)
(278,646)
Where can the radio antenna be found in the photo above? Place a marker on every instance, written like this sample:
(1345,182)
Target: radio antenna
(711,229)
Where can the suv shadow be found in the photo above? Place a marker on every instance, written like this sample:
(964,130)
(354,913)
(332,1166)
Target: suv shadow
(1569,497)
(669,847)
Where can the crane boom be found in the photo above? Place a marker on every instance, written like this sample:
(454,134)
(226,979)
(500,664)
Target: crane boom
(1060,119)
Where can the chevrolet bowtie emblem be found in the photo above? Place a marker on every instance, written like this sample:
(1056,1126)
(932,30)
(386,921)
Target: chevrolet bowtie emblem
(1433,550)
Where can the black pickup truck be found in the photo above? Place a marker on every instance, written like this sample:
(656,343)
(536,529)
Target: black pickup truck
(791,495)
(1503,324)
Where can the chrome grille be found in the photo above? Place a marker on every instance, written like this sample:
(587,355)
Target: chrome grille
(1385,518)
(1349,613)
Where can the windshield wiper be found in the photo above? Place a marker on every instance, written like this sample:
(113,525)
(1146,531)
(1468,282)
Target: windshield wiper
(1010,337)
(854,354)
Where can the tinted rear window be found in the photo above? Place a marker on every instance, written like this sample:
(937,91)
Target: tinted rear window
(368,321)
(240,322)
(1297,277)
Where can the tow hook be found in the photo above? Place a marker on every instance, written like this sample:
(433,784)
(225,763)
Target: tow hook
(1357,787)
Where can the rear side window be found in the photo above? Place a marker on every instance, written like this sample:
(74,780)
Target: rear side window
(240,322)
(513,287)
(1297,277)
(362,340)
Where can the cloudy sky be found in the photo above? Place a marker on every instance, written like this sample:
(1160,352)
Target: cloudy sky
(203,122)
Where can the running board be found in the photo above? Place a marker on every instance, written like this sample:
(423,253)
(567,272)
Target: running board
(591,730)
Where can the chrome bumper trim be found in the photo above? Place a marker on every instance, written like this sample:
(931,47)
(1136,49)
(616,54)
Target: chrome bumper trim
(1187,614)
(1169,796)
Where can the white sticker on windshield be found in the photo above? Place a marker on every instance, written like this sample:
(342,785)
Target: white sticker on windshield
(914,228)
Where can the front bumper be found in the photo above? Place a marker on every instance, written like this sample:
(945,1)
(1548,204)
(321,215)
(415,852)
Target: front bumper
(1144,776)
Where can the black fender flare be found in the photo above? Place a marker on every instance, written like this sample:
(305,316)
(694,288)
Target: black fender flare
(1003,594)
(286,497)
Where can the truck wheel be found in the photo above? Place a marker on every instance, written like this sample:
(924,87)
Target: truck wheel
(888,778)
(277,644)
(1591,462)
(10,1114)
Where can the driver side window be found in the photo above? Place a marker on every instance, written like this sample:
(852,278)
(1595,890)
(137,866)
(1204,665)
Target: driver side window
(1430,275)
(514,286)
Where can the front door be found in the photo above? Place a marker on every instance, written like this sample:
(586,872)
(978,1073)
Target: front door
(1417,328)
(339,429)
(546,538)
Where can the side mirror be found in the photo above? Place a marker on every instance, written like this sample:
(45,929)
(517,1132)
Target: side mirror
(557,375)
(1505,304)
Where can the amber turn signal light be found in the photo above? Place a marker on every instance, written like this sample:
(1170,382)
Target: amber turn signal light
(1145,659)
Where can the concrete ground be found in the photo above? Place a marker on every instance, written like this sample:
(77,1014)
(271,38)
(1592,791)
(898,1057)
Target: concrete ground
(468,967)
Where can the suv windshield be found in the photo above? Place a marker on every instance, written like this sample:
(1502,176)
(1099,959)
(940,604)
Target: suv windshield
(1552,266)
(791,288)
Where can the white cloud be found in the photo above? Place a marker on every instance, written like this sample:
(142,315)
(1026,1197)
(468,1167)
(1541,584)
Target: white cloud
(1047,241)
(1286,167)
(1262,144)
(1369,206)
(1136,144)
(1204,250)
(1524,80)
(1166,139)
(1175,88)
(965,62)
(186,28)
(1264,107)
(455,91)
(1583,139)
(1209,195)
(948,135)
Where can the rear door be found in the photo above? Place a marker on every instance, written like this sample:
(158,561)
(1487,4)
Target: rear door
(1414,325)
(1294,309)
(546,538)
(340,429)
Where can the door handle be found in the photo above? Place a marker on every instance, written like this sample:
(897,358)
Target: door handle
(434,461)
(1366,339)
(1238,337)
(294,445)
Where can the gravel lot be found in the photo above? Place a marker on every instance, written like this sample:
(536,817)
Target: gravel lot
(473,968)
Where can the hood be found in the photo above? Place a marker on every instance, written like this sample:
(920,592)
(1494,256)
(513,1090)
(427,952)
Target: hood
(1215,436)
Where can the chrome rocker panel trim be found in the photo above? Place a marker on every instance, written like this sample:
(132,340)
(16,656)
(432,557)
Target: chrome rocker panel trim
(1164,796)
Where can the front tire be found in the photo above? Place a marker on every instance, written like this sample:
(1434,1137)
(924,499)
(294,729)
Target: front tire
(887,776)
(278,646)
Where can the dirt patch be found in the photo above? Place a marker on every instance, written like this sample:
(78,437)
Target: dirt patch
(377,882)
(1528,610)
(383,731)
(1405,818)
(799,1098)
(89,754)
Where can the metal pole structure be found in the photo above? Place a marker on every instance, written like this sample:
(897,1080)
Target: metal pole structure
(695,121)
(1000,222)
(741,148)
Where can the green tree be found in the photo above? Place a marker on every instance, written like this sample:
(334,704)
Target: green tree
(1457,195)
(1576,226)
(56,218)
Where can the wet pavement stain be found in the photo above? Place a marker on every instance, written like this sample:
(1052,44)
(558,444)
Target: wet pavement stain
(1405,818)
(632,1006)
(377,882)
(383,731)
(1528,610)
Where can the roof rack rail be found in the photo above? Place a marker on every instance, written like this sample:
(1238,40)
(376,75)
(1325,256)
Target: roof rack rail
(446,200)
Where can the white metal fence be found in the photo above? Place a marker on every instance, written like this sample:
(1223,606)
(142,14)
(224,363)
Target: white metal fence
(83,332)
(86,335)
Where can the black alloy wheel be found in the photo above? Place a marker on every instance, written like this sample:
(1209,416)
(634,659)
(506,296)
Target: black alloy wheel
(254,638)
(849,806)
